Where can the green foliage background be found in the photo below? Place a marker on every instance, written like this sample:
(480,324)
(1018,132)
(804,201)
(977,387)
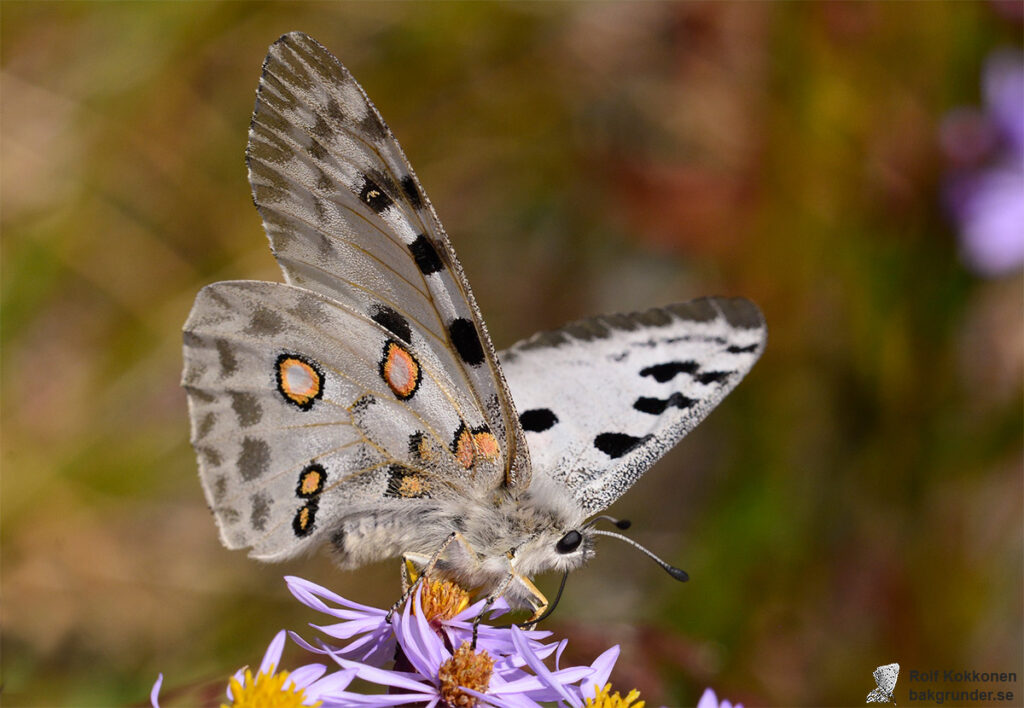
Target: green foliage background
(857,501)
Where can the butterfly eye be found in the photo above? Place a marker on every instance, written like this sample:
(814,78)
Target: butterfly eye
(569,542)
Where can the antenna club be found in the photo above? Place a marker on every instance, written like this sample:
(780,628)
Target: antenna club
(677,573)
(623,524)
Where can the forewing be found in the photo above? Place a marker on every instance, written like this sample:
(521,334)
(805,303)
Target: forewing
(305,410)
(346,216)
(603,398)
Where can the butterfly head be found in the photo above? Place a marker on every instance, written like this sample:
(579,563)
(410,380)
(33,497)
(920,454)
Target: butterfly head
(553,549)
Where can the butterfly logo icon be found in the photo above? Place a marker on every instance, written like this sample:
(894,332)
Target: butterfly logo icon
(361,404)
(885,680)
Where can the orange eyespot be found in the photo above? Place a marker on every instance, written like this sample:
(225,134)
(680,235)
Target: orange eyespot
(400,370)
(311,481)
(302,524)
(463,447)
(487,445)
(299,380)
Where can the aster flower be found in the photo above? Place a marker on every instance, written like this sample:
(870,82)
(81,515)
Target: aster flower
(434,674)
(303,687)
(710,700)
(426,655)
(984,191)
(371,639)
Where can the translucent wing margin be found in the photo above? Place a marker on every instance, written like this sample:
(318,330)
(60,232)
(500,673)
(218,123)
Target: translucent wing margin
(603,398)
(346,216)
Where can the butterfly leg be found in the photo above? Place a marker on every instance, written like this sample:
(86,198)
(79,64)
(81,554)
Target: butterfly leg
(498,592)
(522,586)
(409,568)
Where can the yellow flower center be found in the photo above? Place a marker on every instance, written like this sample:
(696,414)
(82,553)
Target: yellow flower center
(466,669)
(442,600)
(265,691)
(606,699)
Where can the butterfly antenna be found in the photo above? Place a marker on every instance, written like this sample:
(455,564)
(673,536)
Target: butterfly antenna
(620,524)
(677,573)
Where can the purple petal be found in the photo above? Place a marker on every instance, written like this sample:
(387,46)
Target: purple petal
(602,666)
(538,666)
(332,683)
(517,701)
(418,640)
(347,630)
(306,645)
(154,693)
(305,675)
(992,229)
(273,656)
(383,677)
(309,594)
(391,699)
(708,699)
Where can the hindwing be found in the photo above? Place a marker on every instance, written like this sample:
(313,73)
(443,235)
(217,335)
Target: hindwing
(305,410)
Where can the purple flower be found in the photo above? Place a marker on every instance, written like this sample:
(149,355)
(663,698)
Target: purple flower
(305,686)
(426,655)
(710,700)
(505,669)
(371,639)
(985,192)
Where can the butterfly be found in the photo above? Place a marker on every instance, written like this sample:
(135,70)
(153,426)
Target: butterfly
(885,680)
(361,404)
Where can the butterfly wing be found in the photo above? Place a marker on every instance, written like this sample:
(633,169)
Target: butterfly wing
(602,399)
(346,217)
(305,411)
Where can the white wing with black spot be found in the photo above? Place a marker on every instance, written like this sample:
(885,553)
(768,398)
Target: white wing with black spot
(305,411)
(347,217)
(603,398)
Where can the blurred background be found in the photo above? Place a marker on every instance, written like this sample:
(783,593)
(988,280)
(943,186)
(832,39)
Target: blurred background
(850,167)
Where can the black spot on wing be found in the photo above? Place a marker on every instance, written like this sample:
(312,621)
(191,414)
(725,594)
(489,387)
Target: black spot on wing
(734,349)
(321,128)
(616,445)
(708,377)
(392,321)
(668,371)
(537,420)
(657,406)
(317,151)
(375,197)
(425,255)
(220,488)
(413,194)
(247,407)
(466,340)
(416,441)
(373,127)
(362,403)
(260,512)
(265,322)
(228,362)
(740,312)
(254,459)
